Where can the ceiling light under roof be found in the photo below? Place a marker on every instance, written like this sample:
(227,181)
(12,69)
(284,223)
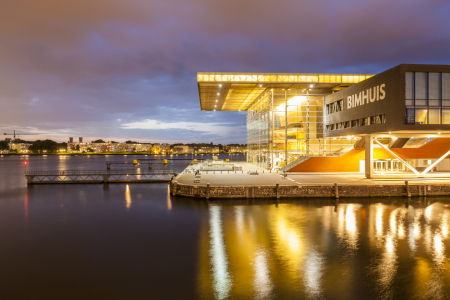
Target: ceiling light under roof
(260,85)
(218,94)
(311,85)
(220,85)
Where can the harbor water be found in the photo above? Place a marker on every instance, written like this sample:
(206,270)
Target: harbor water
(136,241)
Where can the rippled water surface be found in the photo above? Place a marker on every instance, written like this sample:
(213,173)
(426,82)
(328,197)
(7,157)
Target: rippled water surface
(135,241)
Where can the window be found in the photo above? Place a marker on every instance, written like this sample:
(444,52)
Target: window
(375,120)
(410,116)
(446,116)
(341,105)
(421,116)
(434,86)
(335,106)
(434,102)
(446,86)
(421,86)
(363,121)
(355,122)
(347,124)
(435,116)
(409,85)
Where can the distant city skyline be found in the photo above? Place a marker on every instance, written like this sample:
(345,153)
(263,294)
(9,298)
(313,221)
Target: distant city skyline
(128,71)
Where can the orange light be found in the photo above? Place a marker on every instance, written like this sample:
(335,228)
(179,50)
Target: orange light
(25,162)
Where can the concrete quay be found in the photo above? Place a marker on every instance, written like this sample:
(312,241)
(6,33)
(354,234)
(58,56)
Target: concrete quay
(225,184)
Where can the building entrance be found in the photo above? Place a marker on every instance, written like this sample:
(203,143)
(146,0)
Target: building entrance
(387,165)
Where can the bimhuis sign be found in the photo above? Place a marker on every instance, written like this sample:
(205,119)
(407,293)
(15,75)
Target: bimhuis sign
(368,96)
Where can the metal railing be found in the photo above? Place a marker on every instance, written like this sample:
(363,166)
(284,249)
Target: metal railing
(98,172)
(294,163)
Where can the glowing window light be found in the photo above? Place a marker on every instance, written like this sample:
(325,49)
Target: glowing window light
(294,101)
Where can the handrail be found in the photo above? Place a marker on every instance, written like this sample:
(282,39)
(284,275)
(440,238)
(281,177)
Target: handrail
(97,172)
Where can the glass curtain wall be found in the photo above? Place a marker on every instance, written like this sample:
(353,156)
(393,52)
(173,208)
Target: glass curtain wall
(284,125)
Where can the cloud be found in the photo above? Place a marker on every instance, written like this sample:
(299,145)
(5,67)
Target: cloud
(92,63)
(219,129)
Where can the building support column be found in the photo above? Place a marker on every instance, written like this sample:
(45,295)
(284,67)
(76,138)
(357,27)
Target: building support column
(369,156)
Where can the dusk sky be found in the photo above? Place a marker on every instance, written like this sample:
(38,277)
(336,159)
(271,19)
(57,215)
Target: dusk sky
(122,70)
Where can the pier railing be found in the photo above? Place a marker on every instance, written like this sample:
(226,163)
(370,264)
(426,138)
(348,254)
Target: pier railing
(99,176)
(96,172)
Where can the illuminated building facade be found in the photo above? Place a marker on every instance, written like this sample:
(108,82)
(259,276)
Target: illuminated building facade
(398,120)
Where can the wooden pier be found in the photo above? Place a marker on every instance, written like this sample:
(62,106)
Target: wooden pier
(100,176)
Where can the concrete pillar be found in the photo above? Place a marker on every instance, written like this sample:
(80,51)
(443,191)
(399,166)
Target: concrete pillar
(207,191)
(278,190)
(369,156)
(30,179)
(105,178)
(108,166)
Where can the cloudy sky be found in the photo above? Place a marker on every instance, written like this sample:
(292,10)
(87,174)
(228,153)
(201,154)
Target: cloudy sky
(122,70)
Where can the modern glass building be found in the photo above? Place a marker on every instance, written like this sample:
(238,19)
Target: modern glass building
(285,112)
(395,121)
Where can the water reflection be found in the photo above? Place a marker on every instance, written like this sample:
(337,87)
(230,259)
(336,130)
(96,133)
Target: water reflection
(221,277)
(169,202)
(262,282)
(256,251)
(127,197)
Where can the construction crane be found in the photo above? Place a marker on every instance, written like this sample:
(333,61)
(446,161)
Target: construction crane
(18,134)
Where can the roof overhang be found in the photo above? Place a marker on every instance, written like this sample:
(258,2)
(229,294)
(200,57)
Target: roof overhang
(236,91)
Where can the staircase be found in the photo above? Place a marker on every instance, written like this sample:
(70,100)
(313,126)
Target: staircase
(294,163)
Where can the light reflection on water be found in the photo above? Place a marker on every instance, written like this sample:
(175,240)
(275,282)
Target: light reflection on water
(172,247)
(322,252)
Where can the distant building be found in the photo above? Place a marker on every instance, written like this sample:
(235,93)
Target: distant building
(20,147)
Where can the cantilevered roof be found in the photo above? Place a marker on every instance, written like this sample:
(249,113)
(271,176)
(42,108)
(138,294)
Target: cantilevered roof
(236,91)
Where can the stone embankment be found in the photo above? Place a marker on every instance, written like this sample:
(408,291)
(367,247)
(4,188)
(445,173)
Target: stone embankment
(308,191)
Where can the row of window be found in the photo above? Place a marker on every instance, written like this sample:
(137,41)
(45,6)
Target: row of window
(427,116)
(424,86)
(335,107)
(378,119)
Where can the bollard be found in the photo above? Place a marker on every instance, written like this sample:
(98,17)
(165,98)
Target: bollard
(424,190)
(207,191)
(336,190)
(407,189)
(278,190)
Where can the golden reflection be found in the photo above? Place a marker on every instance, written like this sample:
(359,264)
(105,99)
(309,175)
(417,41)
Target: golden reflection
(261,282)
(287,230)
(169,202)
(379,219)
(221,277)
(251,252)
(428,212)
(313,274)
(444,224)
(128,197)
(346,224)
(239,212)
(439,249)
(387,268)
